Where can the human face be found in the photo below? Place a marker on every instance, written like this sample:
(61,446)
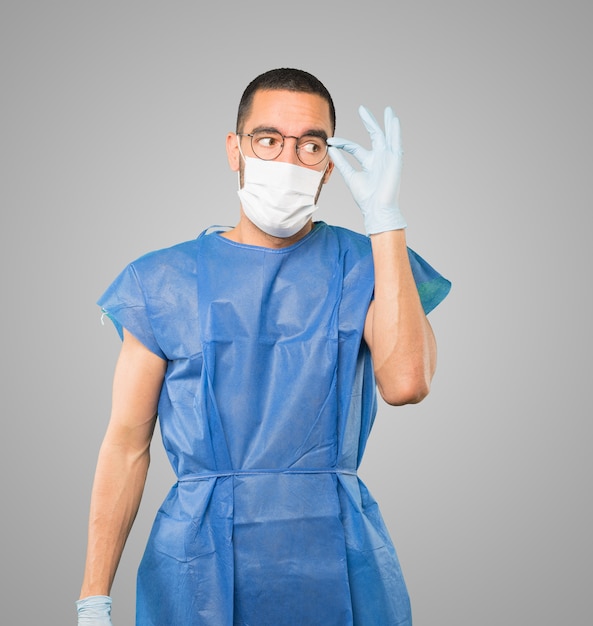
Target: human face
(293,114)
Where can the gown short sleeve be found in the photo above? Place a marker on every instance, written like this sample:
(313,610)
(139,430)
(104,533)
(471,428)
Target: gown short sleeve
(432,287)
(124,303)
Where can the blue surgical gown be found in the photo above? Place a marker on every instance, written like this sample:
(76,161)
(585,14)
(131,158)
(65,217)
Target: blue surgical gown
(267,403)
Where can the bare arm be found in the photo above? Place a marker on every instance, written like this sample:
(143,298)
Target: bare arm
(123,462)
(399,336)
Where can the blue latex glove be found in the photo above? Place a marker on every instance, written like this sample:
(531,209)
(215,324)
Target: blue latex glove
(94,611)
(375,187)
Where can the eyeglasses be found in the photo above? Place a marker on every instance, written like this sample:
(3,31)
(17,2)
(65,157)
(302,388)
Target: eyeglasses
(268,145)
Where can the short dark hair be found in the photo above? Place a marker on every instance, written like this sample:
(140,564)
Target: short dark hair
(288,79)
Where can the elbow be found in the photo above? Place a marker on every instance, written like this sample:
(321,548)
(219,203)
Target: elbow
(406,382)
(411,391)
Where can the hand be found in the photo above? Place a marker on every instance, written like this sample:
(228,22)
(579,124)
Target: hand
(94,611)
(375,187)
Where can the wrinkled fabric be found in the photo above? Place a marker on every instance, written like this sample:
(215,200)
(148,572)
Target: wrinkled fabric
(94,611)
(266,407)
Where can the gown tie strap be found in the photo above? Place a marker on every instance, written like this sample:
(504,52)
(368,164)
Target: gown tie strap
(257,472)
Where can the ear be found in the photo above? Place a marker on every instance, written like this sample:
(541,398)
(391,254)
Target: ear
(232,151)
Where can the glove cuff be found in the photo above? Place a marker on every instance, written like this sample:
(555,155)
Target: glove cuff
(94,606)
(382,221)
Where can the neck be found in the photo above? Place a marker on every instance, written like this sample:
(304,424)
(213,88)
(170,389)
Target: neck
(246,232)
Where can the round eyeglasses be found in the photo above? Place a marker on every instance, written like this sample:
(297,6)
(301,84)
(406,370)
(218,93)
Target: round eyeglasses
(268,145)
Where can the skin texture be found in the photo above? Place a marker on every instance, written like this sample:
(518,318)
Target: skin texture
(397,331)
(123,462)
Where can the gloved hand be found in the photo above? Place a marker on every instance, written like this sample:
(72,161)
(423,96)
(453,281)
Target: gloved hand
(375,187)
(94,611)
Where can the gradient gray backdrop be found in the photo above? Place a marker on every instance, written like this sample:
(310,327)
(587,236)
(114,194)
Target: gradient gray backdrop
(113,123)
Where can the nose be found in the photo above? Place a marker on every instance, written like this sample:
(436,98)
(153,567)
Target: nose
(289,154)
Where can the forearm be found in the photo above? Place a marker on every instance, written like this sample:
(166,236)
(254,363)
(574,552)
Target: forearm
(123,462)
(401,339)
(396,329)
(117,491)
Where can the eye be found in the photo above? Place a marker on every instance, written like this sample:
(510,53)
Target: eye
(267,141)
(311,145)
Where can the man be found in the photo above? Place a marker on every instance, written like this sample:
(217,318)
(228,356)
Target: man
(260,348)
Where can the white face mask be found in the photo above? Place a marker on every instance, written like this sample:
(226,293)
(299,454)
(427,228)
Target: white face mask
(279,198)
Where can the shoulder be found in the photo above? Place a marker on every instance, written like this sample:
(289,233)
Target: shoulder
(342,233)
(354,249)
(173,256)
(348,239)
(180,259)
(179,256)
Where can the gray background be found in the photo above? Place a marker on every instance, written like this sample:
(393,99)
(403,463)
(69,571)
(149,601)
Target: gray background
(114,116)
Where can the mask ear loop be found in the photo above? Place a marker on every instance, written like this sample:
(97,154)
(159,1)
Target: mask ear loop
(243,157)
(321,182)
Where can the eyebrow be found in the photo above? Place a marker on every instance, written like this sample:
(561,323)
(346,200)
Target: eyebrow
(312,132)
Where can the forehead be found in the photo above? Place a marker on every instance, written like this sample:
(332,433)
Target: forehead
(291,112)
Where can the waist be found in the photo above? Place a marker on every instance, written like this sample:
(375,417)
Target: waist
(262,471)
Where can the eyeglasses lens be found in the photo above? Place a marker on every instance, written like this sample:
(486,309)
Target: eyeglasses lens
(268,146)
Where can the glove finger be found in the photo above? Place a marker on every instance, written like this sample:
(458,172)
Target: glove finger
(393,131)
(358,152)
(338,142)
(373,128)
(341,163)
